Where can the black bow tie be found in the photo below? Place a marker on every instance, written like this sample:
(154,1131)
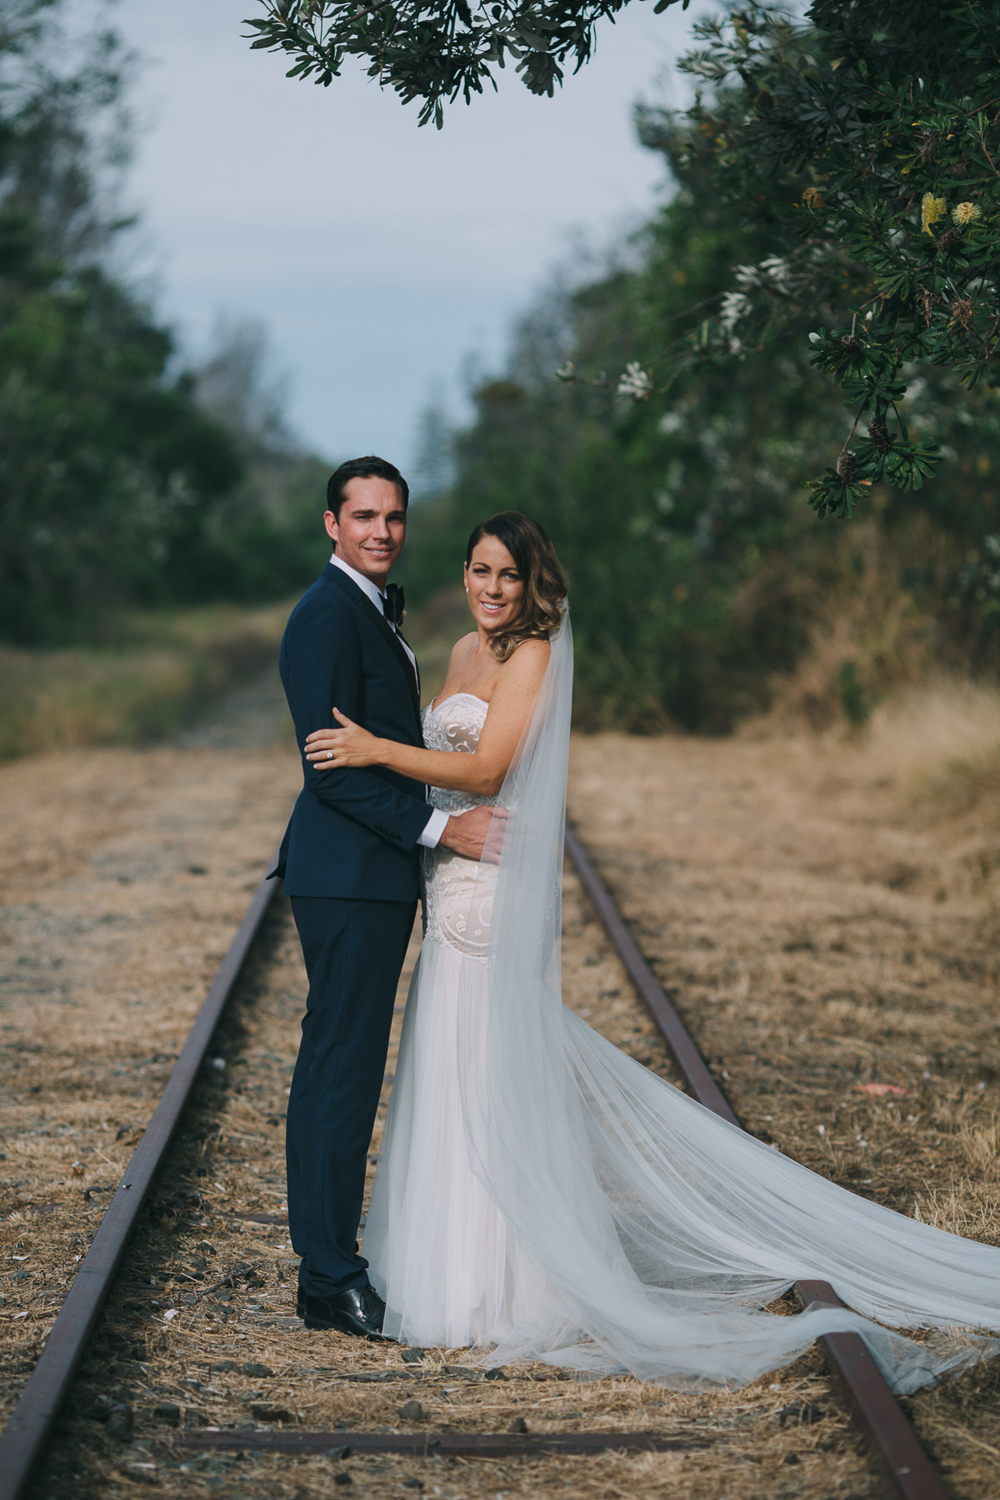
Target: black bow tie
(395,605)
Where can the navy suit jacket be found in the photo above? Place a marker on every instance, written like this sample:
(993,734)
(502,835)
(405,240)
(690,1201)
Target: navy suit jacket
(353,832)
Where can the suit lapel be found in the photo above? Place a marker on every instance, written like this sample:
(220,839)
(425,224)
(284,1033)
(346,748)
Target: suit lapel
(414,665)
(361,601)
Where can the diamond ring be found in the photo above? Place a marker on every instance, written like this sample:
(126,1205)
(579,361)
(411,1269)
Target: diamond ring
(329,755)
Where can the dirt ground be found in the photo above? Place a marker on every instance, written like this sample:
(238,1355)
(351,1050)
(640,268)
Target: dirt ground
(825,916)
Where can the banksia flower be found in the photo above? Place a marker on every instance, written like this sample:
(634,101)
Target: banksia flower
(950,240)
(813,199)
(882,438)
(847,464)
(966,213)
(931,209)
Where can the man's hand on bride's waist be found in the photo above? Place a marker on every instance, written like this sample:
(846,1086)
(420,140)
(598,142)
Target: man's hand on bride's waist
(332,749)
(476,834)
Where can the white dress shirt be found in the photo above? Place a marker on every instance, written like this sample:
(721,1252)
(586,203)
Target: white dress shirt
(435,825)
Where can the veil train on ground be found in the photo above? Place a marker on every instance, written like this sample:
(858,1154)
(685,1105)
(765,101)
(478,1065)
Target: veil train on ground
(542,1195)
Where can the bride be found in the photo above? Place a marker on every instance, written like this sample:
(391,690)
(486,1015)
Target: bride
(539,1193)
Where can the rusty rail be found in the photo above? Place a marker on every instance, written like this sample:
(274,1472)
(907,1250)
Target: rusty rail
(876,1412)
(24,1438)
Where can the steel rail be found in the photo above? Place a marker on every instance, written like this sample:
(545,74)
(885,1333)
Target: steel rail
(24,1438)
(876,1412)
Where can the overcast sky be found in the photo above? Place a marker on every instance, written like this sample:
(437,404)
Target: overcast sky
(378,254)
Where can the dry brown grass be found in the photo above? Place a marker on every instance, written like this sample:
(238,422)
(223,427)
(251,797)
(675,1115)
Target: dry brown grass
(866,637)
(154,673)
(123,877)
(824,912)
(237,1358)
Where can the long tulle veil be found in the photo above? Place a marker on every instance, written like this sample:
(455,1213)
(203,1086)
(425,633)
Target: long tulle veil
(660,1230)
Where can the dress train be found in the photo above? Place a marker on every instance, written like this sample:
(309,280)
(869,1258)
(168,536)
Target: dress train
(542,1195)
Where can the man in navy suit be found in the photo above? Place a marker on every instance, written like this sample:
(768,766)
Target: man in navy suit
(350,865)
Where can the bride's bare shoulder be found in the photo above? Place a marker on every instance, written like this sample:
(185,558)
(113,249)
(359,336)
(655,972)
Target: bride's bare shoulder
(531,651)
(527,664)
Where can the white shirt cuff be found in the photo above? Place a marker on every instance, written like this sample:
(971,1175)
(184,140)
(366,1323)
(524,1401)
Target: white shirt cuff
(433,829)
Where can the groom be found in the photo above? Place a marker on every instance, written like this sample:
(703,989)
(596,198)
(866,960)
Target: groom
(350,861)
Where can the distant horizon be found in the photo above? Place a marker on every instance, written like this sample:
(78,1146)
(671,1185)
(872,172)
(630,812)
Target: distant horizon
(381,258)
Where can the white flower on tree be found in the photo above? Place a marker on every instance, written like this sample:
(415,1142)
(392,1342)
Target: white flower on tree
(735,305)
(635,384)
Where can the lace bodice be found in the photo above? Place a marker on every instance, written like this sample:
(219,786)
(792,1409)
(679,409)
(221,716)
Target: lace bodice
(455,724)
(457,892)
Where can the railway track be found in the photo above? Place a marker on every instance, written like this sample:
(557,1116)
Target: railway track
(905,1467)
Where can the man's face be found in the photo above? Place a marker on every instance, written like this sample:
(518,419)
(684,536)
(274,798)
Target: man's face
(371,530)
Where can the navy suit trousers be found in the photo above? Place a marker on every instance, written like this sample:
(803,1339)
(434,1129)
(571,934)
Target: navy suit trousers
(354,952)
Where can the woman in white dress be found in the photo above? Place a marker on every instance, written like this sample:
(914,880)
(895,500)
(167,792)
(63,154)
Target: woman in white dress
(539,1193)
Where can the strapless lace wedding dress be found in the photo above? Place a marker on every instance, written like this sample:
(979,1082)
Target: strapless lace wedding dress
(542,1195)
(438,1248)
(457,893)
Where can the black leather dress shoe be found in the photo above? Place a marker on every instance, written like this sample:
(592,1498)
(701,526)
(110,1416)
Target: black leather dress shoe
(359,1310)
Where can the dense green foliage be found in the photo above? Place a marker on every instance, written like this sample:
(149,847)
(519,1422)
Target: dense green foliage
(697,574)
(865,136)
(434,50)
(872,133)
(835,214)
(118,484)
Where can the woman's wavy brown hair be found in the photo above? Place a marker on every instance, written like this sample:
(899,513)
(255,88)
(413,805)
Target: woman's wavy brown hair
(545,586)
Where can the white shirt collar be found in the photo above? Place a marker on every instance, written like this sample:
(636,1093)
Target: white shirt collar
(371,591)
(364,584)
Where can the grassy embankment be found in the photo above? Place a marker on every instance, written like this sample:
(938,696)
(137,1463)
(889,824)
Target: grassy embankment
(157,671)
(153,673)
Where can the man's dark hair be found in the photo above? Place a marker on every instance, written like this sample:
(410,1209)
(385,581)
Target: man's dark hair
(370,467)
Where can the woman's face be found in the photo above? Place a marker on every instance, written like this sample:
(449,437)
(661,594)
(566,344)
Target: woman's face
(495,586)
